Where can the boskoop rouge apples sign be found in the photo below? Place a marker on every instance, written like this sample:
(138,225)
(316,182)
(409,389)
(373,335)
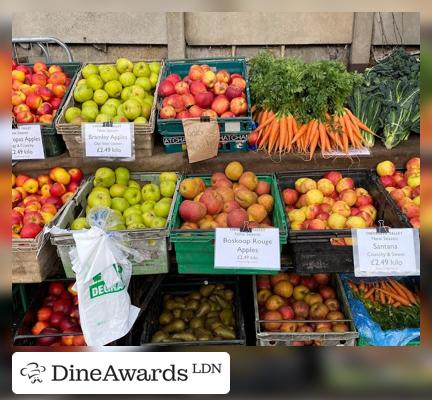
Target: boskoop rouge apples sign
(259,248)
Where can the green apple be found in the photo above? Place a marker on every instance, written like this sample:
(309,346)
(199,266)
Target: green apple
(158,222)
(148,217)
(125,94)
(131,109)
(167,188)
(120,111)
(108,73)
(87,210)
(109,109)
(131,210)
(138,99)
(100,97)
(90,113)
(133,183)
(119,215)
(127,79)
(140,120)
(118,227)
(137,207)
(132,195)
(146,109)
(162,208)
(89,69)
(90,103)
(81,81)
(148,205)
(71,113)
(144,82)
(104,177)
(154,67)
(113,88)
(79,224)
(153,79)
(150,191)
(95,82)
(118,118)
(102,118)
(141,69)
(123,65)
(122,175)
(149,99)
(137,91)
(117,190)
(168,176)
(119,203)
(114,102)
(133,218)
(100,189)
(83,93)
(136,225)
(99,199)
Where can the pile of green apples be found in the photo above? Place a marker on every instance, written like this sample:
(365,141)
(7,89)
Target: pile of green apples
(137,207)
(119,93)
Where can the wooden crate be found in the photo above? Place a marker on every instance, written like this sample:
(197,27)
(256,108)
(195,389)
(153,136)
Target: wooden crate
(144,133)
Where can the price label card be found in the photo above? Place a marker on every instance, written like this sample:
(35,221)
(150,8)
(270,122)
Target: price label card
(232,126)
(258,248)
(27,143)
(108,141)
(392,253)
(362,152)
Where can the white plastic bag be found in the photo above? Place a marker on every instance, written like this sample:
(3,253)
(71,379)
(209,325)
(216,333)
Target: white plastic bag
(103,271)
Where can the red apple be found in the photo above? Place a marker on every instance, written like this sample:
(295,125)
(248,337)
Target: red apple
(220,104)
(204,99)
(30,231)
(188,100)
(233,92)
(195,111)
(181,87)
(167,112)
(173,78)
(197,87)
(238,106)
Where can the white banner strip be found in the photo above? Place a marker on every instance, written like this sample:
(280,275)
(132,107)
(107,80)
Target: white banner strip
(121,373)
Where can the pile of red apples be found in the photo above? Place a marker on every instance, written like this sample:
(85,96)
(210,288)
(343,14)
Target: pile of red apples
(35,201)
(203,92)
(37,92)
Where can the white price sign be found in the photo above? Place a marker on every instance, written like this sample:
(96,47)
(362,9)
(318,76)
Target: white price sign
(362,152)
(258,248)
(392,253)
(27,143)
(108,140)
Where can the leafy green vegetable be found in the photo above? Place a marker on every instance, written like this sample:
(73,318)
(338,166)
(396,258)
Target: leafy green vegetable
(306,90)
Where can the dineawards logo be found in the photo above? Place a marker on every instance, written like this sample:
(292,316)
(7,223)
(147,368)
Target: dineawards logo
(121,373)
(33,371)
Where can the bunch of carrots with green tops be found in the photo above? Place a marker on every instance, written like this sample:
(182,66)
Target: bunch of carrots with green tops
(301,107)
(389,303)
(387,291)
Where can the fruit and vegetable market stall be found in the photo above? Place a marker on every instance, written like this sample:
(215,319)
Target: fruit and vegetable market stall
(310,166)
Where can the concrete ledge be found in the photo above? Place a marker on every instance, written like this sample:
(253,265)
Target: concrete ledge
(258,162)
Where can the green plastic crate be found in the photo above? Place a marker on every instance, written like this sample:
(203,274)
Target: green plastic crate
(174,127)
(362,341)
(229,143)
(195,248)
(53,143)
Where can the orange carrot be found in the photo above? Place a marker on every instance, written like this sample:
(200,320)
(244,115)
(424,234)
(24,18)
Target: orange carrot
(265,122)
(348,128)
(273,135)
(290,132)
(266,134)
(253,108)
(407,292)
(400,299)
(382,298)
(399,291)
(314,139)
(369,293)
(300,132)
(283,133)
